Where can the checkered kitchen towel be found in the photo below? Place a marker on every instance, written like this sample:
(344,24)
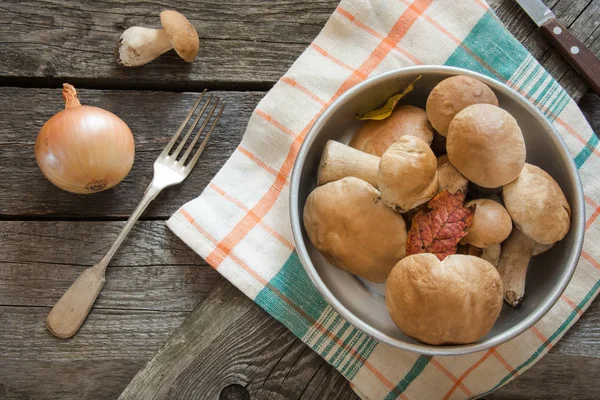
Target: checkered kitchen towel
(239,224)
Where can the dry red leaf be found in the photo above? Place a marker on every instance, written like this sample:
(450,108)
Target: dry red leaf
(438,231)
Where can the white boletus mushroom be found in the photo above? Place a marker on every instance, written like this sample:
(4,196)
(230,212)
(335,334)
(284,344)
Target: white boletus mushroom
(374,137)
(449,178)
(349,224)
(491,223)
(339,161)
(486,145)
(138,46)
(454,301)
(451,96)
(407,175)
(542,217)
(491,226)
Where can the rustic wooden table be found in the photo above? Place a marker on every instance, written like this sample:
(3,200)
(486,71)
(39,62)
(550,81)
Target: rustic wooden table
(227,348)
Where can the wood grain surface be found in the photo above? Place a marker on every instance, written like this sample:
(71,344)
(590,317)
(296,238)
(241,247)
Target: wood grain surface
(153,270)
(227,348)
(242,46)
(241,43)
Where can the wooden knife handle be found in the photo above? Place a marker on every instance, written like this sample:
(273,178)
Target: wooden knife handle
(580,57)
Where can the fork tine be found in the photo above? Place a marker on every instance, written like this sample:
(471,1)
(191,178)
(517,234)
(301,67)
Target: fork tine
(169,146)
(205,141)
(191,129)
(198,134)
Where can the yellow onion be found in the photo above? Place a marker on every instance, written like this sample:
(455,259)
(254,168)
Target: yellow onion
(84,149)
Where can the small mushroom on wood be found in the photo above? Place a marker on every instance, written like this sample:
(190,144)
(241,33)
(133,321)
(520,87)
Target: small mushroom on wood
(407,175)
(541,214)
(339,161)
(349,224)
(449,178)
(138,46)
(374,137)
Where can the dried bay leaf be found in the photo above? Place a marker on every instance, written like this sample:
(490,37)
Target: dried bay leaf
(386,110)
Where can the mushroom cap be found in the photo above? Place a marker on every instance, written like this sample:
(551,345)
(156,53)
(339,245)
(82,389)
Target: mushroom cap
(486,145)
(449,178)
(349,224)
(407,174)
(375,137)
(455,301)
(451,96)
(491,224)
(538,206)
(182,33)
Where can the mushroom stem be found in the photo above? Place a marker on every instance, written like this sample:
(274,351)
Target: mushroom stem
(540,248)
(490,253)
(339,161)
(449,178)
(138,46)
(516,252)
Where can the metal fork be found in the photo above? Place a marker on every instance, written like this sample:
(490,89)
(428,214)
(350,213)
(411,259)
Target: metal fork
(170,169)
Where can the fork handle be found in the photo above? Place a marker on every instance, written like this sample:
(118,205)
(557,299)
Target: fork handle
(70,311)
(151,192)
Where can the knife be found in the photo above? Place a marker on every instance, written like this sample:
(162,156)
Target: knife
(580,57)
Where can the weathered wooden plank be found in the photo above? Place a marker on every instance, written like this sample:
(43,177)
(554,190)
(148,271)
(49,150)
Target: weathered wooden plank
(97,363)
(158,288)
(66,380)
(241,46)
(239,351)
(106,335)
(85,242)
(153,118)
(239,42)
(590,106)
(153,270)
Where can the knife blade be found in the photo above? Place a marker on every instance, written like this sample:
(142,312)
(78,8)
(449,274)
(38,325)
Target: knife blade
(571,48)
(537,11)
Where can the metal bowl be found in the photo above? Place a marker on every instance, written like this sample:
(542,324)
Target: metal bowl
(360,302)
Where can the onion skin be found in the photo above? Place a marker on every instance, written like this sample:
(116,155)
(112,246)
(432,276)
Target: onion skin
(84,149)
